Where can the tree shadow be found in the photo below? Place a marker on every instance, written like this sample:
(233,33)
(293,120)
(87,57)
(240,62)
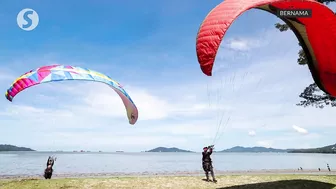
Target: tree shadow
(285,184)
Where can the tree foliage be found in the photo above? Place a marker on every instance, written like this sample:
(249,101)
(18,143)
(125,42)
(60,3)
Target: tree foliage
(318,100)
(312,95)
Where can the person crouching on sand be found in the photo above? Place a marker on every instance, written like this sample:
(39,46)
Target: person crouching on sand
(207,162)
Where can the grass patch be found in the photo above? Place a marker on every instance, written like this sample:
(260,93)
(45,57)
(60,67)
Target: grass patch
(224,182)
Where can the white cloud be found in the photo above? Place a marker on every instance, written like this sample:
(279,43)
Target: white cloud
(238,45)
(103,100)
(203,128)
(106,141)
(47,119)
(100,100)
(25,111)
(265,143)
(243,44)
(252,133)
(300,129)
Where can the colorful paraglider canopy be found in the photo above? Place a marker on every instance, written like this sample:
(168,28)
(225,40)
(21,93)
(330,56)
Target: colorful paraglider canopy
(316,34)
(54,73)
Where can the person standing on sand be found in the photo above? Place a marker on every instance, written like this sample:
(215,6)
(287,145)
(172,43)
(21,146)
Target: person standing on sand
(207,162)
(328,167)
(49,170)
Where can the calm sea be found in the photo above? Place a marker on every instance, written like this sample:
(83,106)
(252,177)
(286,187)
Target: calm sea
(33,163)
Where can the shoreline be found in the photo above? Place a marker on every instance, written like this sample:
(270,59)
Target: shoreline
(174,174)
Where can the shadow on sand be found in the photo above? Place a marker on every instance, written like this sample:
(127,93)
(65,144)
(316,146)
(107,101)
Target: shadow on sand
(207,181)
(285,184)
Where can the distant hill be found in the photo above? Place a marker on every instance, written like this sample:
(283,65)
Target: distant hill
(258,149)
(7,147)
(331,149)
(253,149)
(164,149)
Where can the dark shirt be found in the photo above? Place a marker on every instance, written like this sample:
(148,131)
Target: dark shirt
(206,156)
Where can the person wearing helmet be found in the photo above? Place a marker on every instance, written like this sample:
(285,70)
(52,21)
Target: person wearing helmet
(207,162)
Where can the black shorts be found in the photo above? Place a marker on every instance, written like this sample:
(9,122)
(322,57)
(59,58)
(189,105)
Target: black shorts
(207,166)
(48,174)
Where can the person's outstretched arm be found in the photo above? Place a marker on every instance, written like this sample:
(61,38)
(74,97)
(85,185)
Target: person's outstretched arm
(210,151)
(48,161)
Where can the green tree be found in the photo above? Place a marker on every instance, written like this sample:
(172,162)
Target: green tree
(312,95)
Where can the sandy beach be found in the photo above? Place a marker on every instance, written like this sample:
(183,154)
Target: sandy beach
(287,179)
(273,179)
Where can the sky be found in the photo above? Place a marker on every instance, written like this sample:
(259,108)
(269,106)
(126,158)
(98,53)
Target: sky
(149,48)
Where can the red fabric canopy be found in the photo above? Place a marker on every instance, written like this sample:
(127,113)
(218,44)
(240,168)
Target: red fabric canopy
(317,35)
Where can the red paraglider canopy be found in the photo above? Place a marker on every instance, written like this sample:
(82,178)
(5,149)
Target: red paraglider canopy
(317,35)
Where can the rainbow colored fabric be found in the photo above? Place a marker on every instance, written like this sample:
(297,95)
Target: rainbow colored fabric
(54,73)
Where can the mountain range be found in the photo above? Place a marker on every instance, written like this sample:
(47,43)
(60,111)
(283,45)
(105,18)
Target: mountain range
(253,149)
(325,149)
(258,149)
(330,149)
